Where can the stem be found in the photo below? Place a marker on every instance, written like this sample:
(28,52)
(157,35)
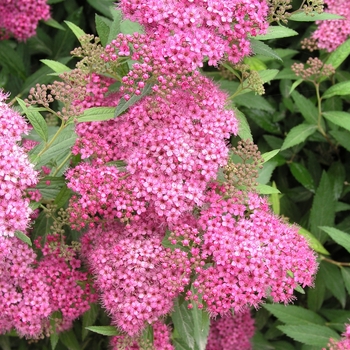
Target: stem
(14,100)
(338,263)
(61,165)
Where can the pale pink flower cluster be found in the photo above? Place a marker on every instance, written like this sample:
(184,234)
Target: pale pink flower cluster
(342,344)
(31,291)
(19,18)
(231,332)
(138,278)
(330,34)
(16,172)
(190,31)
(161,339)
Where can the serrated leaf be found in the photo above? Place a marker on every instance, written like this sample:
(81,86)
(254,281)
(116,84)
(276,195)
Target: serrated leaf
(102,27)
(243,129)
(78,32)
(316,295)
(313,16)
(314,243)
(339,55)
(339,118)
(129,27)
(259,101)
(89,318)
(10,59)
(24,238)
(342,137)
(50,191)
(268,155)
(57,67)
(337,177)
(340,237)
(69,339)
(183,323)
(104,330)
(339,89)
(302,175)
(103,6)
(295,85)
(260,48)
(265,189)
(123,105)
(323,208)
(294,315)
(95,114)
(180,344)
(254,63)
(266,172)
(115,27)
(310,334)
(298,134)
(268,74)
(307,109)
(276,32)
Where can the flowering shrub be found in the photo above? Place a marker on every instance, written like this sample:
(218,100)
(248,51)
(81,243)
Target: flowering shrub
(134,173)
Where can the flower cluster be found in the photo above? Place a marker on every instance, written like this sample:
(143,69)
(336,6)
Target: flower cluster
(342,344)
(20,18)
(231,332)
(137,277)
(31,291)
(330,34)
(191,31)
(314,69)
(16,172)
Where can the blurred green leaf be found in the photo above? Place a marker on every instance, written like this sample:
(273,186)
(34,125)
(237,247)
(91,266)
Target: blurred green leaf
(97,114)
(302,175)
(276,32)
(340,237)
(104,330)
(339,55)
(298,134)
(301,16)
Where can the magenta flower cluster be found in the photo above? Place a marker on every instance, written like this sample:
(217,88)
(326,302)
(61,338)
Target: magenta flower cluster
(330,34)
(19,18)
(17,174)
(231,332)
(343,343)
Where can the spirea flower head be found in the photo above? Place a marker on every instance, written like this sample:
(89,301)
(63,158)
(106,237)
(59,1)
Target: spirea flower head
(342,344)
(330,34)
(231,332)
(16,172)
(137,277)
(189,31)
(19,18)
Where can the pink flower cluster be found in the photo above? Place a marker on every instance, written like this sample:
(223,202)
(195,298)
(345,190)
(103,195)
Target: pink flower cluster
(331,34)
(161,339)
(31,291)
(19,18)
(343,344)
(191,31)
(231,332)
(137,277)
(16,172)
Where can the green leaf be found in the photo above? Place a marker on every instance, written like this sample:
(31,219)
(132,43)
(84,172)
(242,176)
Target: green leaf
(95,114)
(265,189)
(57,67)
(323,208)
(183,323)
(345,272)
(69,339)
(78,32)
(316,295)
(314,243)
(333,280)
(50,192)
(307,109)
(54,340)
(275,201)
(299,289)
(89,319)
(266,172)
(11,60)
(24,238)
(295,85)
(63,196)
(268,74)
(337,177)
(53,23)
(129,27)
(103,27)
(298,134)
(259,101)
(124,105)
(310,334)
(115,27)
(339,89)
(313,16)
(260,48)
(243,129)
(341,53)
(294,315)
(36,120)
(339,118)
(342,137)
(180,344)
(302,175)
(103,6)
(276,32)
(268,155)
(104,330)
(340,237)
